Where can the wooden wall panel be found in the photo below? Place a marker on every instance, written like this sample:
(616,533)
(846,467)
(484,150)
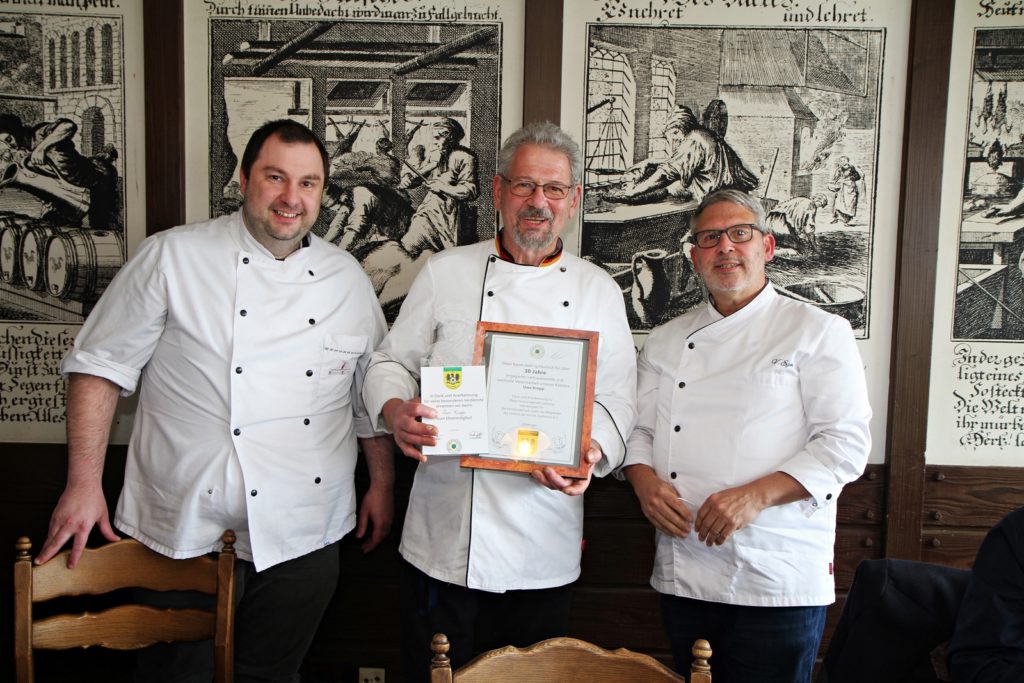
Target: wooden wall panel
(957,497)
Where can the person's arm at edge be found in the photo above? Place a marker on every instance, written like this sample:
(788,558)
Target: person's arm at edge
(90,410)
(377,511)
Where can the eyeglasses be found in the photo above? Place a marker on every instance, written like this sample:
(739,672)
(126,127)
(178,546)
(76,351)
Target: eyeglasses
(738,234)
(521,187)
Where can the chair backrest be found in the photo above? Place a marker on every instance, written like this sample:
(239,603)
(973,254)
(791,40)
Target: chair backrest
(124,564)
(563,659)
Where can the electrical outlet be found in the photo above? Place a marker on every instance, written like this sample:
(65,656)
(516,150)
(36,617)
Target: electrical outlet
(370,675)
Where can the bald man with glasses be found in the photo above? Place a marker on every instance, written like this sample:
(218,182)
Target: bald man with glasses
(752,416)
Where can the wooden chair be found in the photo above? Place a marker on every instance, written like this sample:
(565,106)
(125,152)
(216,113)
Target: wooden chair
(563,659)
(124,564)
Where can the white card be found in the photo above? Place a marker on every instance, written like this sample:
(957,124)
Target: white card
(459,395)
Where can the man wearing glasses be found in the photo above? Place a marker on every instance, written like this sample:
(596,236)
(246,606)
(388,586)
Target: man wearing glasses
(752,416)
(490,556)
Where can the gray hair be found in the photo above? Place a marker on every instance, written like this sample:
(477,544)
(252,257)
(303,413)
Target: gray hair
(737,197)
(545,134)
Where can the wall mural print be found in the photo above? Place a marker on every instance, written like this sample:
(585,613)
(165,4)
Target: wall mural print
(410,97)
(799,106)
(976,406)
(67,117)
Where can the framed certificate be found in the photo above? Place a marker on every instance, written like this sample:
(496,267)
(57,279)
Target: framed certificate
(540,397)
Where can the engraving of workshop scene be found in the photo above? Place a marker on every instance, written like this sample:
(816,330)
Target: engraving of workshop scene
(61,193)
(789,116)
(990,265)
(410,113)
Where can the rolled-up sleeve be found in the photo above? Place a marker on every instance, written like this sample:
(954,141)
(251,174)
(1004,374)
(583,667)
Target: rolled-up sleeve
(122,331)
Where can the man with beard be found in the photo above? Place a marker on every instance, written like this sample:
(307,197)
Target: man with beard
(699,163)
(490,556)
(249,413)
(449,175)
(753,415)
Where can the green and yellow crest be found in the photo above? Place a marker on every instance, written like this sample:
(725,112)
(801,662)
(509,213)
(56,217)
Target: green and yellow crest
(453,378)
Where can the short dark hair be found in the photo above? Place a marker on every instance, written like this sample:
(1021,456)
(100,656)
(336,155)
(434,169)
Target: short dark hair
(288,131)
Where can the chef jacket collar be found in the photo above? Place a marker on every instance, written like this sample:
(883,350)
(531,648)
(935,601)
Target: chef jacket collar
(763,298)
(505,255)
(249,244)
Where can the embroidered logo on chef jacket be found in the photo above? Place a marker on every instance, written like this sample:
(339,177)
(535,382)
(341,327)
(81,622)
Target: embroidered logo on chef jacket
(341,368)
(782,362)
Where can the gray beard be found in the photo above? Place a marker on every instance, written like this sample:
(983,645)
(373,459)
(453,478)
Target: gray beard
(532,243)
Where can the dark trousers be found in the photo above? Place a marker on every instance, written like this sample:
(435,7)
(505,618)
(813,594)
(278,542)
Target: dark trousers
(763,644)
(277,612)
(474,621)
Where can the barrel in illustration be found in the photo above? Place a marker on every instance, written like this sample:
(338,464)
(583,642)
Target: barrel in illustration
(81,263)
(12,230)
(33,253)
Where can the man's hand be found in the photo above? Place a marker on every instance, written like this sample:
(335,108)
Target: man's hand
(727,511)
(77,511)
(376,513)
(570,487)
(410,434)
(659,501)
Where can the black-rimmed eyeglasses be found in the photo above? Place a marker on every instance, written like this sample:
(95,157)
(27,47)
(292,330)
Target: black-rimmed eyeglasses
(521,187)
(738,234)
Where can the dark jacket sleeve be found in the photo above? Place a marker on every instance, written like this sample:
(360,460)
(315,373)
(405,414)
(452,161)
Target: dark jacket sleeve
(988,640)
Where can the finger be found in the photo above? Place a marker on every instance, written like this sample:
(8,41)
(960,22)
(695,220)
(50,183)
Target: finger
(51,547)
(538,476)
(556,480)
(670,522)
(76,548)
(361,523)
(411,451)
(416,439)
(417,409)
(576,488)
(373,541)
(108,531)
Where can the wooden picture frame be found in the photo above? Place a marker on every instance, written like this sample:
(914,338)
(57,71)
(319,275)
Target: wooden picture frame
(537,368)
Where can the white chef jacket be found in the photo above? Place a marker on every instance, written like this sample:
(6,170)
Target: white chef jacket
(484,529)
(250,403)
(776,386)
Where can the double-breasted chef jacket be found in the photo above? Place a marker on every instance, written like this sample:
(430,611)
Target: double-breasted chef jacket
(485,529)
(250,371)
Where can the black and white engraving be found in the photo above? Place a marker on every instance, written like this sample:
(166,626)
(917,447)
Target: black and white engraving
(410,112)
(62,138)
(989,279)
(789,115)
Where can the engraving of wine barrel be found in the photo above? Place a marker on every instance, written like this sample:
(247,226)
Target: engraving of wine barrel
(12,230)
(81,263)
(33,251)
